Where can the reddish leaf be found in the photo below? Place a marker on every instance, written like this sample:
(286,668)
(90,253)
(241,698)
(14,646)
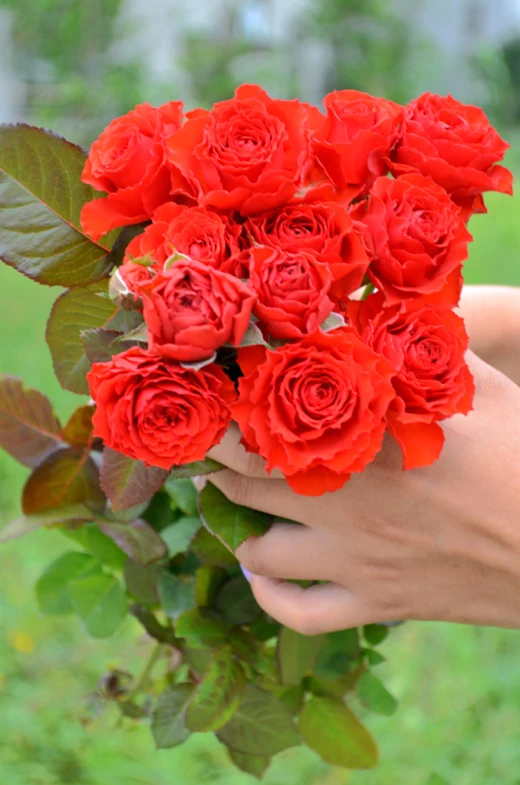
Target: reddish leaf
(66,477)
(137,539)
(78,431)
(74,311)
(42,197)
(99,344)
(75,513)
(128,483)
(29,429)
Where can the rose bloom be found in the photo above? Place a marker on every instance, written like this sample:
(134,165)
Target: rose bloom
(356,138)
(133,276)
(426,347)
(128,162)
(456,145)
(152,409)
(314,409)
(191,310)
(416,238)
(291,289)
(325,228)
(248,153)
(192,231)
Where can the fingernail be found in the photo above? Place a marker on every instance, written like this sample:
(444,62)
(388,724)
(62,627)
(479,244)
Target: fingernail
(199,482)
(247,574)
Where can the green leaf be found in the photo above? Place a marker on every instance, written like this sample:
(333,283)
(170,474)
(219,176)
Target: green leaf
(208,581)
(329,728)
(261,725)
(74,311)
(132,710)
(244,645)
(137,539)
(179,535)
(127,482)
(29,523)
(183,494)
(340,650)
(231,523)
(236,602)
(375,633)
(195,469)
(373,657)
(41,196)
(251,764)
(335,688)
(143,582)
(29,429)
(52,587)
(263,629)
(177,593)
(65,477)
(100,602)
(201,629)
(168,723)
(218,695)
(158,512)
(374,695)
(198,660)
(210,550)
(297,654)
(293,698)
(102,547)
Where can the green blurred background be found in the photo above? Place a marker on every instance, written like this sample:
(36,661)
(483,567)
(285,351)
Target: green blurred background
(72,65)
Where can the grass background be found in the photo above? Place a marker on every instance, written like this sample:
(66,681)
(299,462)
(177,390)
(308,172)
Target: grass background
(459,687)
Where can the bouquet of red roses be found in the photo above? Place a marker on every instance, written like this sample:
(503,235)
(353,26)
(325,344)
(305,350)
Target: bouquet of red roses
(266,217)
(293,271)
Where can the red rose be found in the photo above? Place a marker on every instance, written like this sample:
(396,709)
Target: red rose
(323,227)
(152,409)
(192,231)
(426,347)
(357,136)
(455,144)
(132,277)
(416,238)
(314,409)
(247,154)
(192,309)
(292,291)
(128,162)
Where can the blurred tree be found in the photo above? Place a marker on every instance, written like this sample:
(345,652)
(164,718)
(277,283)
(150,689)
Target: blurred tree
(371,46)
(62,52)
(511,57)
(498,70)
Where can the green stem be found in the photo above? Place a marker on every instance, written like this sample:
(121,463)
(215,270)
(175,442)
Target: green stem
(369,288)
(143,678)
(146,672)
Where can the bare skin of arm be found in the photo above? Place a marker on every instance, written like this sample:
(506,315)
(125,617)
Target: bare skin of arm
(492,315)
(441,543)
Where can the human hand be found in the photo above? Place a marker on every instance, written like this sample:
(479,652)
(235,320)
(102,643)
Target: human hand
(492,316)
(440,543)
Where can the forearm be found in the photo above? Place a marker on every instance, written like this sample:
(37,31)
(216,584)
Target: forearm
(492,315)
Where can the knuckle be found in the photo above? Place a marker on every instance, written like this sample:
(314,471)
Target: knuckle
(252,560)
(252,465)
(235,487)
(391,604)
